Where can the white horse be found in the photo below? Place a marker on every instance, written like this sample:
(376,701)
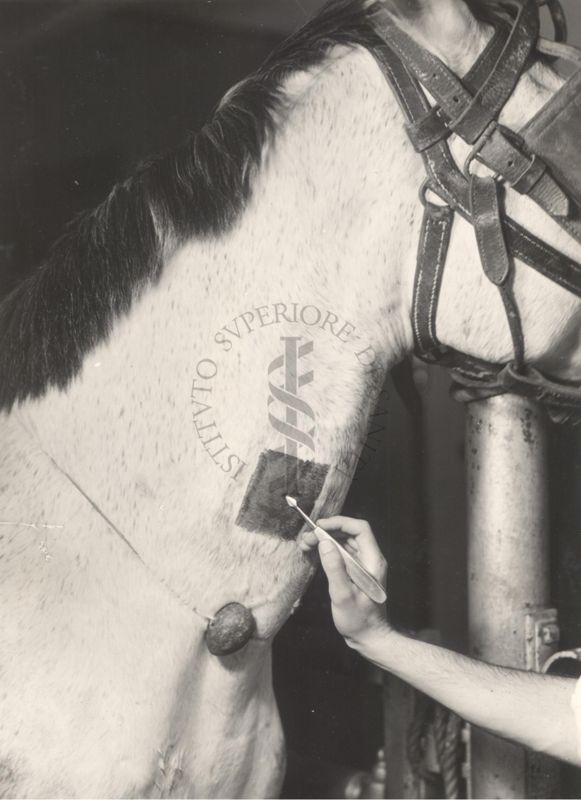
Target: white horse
(216,331)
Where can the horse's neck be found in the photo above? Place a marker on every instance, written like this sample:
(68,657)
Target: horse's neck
(332,224)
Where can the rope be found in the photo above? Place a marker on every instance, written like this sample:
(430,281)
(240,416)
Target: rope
(447,729)
(416,735)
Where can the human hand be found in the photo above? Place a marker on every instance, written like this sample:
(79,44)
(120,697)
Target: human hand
(356,617)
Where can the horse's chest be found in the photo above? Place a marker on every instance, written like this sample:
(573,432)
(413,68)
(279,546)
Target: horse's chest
(107,686)
(85,715)
(125,702)
(90,664)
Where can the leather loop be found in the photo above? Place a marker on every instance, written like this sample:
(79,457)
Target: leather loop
(428,130)
(532,172)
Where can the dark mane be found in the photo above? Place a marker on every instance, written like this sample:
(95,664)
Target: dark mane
(108,255)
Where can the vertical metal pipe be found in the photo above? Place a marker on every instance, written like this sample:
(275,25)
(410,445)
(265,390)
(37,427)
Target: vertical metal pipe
(508,569)
(405,546)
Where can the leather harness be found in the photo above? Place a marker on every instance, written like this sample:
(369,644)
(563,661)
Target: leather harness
(542,161)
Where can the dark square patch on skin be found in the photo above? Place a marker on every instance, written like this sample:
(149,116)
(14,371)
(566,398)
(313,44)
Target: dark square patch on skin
(264,507)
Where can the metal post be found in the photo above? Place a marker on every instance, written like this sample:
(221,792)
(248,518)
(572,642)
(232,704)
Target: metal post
(406,548)
(508,568)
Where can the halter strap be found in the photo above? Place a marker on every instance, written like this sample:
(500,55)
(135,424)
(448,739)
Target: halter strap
(464,110)
(467,113)
(452,186)
(432,250)
(432,127)
(496,262)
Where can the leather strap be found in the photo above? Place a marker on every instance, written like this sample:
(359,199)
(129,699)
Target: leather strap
(494,257)
(554,133)
(466,115)
(506,154)
(563,400)
(488,228)
(491,80)
(452,186)
(433,126)
(432,252)
(500,240)
(514,324)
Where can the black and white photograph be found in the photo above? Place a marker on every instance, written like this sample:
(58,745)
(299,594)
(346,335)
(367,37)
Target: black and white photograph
(290,399)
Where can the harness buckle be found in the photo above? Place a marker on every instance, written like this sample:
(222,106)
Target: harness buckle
(558,18)
(478,145)
(426,187)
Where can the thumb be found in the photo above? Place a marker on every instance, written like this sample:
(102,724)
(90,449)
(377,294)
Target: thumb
(340,586)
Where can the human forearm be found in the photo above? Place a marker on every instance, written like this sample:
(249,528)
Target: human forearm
(528,708)
(531,709)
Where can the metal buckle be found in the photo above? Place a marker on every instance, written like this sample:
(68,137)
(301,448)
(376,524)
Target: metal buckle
(478,145)
(558,18)
(428,187)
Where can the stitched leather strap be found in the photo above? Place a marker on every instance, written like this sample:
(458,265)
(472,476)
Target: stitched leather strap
(494,257)
(432,252)
(452,186)
(488,228)
(491,81)
(433,126)
(479,378)
(505,153)
(469,116)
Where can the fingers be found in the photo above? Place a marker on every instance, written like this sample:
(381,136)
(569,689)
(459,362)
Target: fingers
(340,586)
(348,525)
(307,541)
(363,542)
(360,543)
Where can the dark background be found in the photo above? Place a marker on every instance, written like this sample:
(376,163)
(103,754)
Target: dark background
(87,90)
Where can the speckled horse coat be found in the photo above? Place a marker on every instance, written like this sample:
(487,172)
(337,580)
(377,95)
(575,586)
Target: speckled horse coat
(243,295)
